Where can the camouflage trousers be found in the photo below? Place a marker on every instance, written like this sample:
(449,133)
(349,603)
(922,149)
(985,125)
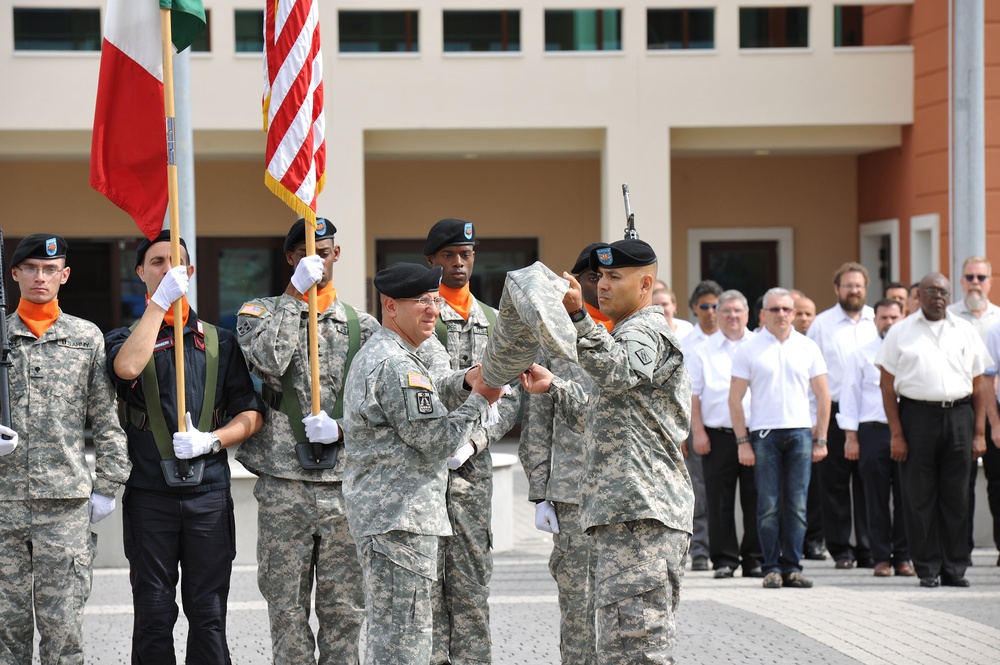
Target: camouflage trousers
(399,568)
(461,594)
(572,566)
(302,541)
(46,551)
(640,565)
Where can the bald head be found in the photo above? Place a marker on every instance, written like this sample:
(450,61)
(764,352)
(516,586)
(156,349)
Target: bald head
(935,289)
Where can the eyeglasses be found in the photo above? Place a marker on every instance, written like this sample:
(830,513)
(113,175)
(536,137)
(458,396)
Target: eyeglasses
(706,306)
(47,271)
(426,301)
(731,312)
(779,310)
(976,278)
(932,291)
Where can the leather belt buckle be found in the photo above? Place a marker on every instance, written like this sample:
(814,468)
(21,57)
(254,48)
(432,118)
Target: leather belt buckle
(947,404)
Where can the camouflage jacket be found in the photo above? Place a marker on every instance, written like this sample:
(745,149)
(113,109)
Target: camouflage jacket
(398,437)
(466,345)
(642,413)
(552,440)
(56,383)
(274,337)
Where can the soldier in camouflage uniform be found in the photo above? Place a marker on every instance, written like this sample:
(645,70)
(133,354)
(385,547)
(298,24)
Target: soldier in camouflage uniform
(302,535)
(399,436)
(552,455)
(47,497)
(637,500)
(465,562)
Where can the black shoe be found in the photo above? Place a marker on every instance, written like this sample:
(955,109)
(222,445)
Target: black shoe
(844,564)
(998,560)
(815,553)
(865,563)
(756,571)
(954,581)
(699,563)
(723,572)
(929,582)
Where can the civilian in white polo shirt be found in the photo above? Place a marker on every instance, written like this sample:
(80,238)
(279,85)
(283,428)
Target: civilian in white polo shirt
(934,363)
(863,421)
(710,367)
(779,366)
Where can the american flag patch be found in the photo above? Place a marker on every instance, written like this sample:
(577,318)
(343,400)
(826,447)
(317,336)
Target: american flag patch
(419,381)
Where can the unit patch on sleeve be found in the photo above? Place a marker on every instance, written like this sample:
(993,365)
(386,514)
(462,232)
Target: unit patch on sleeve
(424,404)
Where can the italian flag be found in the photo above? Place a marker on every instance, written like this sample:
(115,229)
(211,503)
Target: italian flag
(128,155)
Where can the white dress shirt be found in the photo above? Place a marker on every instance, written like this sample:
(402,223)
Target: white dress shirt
(838,336)
(861,394)
(684,328)
(692,339)
(779,374)
(993,347)
(711,369)
(983,323)
(933,360)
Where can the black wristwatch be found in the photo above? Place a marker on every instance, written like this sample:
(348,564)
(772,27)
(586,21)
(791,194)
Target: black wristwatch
(578,315)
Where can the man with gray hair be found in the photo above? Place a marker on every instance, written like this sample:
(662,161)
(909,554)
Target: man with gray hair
(710,367)
(779,366)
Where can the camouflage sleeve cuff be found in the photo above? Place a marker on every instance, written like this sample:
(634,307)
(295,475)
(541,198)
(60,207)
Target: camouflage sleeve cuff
(104,487)
(584,325)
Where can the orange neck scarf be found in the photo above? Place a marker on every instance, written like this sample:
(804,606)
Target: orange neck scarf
(168,316)
(596,315)
(459,299)
(38,318)
(324,297)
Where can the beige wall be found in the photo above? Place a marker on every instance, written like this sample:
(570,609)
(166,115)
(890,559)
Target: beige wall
(815,196)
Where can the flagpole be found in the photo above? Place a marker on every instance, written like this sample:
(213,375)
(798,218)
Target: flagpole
(313,326)
(183,466)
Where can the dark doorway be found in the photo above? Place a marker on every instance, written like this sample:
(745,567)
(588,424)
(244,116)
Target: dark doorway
(751,267)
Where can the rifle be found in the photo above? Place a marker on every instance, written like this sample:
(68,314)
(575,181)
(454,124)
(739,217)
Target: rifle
(630,232)
(5,362)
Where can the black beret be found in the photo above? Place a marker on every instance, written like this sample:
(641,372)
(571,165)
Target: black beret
(143,247)
(583,261)
(297,234)
(448,232)
(622,254)
(39,246)
(407,280)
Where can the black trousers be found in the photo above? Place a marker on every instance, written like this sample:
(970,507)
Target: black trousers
(843,497)
(991,470)
(935,486)
(196,531)
(814,513)
(723,472)
(881,479)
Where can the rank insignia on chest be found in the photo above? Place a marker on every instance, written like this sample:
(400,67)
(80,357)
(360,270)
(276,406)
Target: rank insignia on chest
(419,381)
(424,404)
(251,309)
(643,356)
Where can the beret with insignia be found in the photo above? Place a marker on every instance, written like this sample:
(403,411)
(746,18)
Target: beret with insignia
(448,232)
(622,254)
(39,246)
(583,261)
(297,234)
(143,247)
(407,280)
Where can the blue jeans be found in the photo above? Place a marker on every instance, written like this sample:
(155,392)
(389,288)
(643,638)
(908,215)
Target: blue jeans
(784,463)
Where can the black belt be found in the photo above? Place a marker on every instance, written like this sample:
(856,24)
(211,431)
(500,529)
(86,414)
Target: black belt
(943,404)
(726,430)
(876,424)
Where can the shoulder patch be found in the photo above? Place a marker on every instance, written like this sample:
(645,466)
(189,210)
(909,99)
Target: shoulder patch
(419,381)
(251,309)
(424,402)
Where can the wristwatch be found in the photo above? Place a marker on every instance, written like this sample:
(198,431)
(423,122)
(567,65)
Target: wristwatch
(820,442)
(578,315)
(216,442)
(743,439)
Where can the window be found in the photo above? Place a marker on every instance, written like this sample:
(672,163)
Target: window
(482,30)
(57,29)
(249,31)
(378,31)
(868,25)
(848,26)
(203,42)
(583,30)
(680,28)
(774,27)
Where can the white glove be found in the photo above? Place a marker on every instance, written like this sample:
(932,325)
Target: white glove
(321,428)
(100,507)
(7,446)
(461,456)
(173,285)
(309,271)
(545,517)
(191,443)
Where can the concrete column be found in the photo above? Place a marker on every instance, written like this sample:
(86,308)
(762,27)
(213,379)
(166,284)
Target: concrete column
(968,209)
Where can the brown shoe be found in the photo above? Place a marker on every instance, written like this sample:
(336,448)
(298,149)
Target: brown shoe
(905,569)
(883,569)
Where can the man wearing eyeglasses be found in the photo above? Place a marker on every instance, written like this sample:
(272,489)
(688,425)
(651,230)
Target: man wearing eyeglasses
(976,308)
(398,440)
(461,594)
(779,367)
(934,363)
(303,540)
(47,497)
(839,331)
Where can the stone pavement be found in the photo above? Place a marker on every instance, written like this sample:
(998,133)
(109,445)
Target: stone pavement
(848,617)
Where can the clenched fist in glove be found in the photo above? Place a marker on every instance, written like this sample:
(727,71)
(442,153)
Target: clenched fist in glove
(321,428)
(309,271)
(461,456)
(545,517)
(173,285)
(7,446)
(192,443)
(100,507)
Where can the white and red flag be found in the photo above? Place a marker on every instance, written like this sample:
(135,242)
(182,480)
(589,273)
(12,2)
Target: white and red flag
(128,156)
(293,104)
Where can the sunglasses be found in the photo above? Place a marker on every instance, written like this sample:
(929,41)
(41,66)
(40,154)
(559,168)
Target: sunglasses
(976,278)
(705,306)
(779,310)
